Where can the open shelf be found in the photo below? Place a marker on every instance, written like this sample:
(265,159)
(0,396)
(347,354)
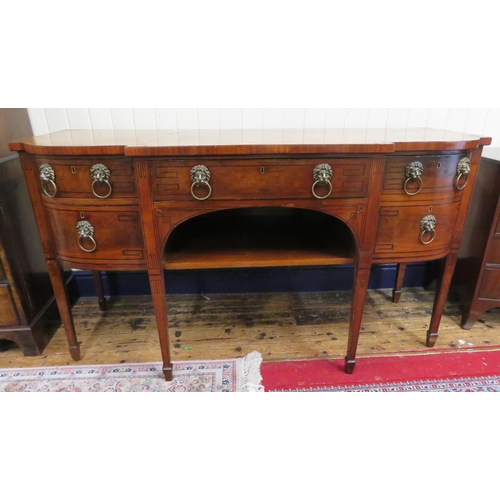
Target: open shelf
(259,237)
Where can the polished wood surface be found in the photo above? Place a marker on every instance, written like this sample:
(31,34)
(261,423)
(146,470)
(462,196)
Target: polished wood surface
(478,276)
(207,142)
(269,188)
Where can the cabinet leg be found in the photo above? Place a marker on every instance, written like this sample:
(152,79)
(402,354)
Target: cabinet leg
(361,277)
(473,314)
(443,287)
(101,299)
(63,304)
(157,283)
(400,275)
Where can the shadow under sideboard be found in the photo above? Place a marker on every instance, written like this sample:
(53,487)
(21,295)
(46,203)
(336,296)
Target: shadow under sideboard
(253,280)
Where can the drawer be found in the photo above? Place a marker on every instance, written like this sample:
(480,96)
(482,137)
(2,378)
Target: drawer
(2,271)
(99,235)
(76,178)
(259,179)
(490,284)
(438,176)
(8,311)
(492,254)
(399,230)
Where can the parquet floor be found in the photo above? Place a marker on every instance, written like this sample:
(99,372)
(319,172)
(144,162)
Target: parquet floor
(280,326)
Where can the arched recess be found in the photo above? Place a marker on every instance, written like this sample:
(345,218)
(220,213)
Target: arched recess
(261,237)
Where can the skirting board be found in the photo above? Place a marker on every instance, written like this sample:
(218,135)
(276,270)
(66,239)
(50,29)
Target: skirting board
(254,280)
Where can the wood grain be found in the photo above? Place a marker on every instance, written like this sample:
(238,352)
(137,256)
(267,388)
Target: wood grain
(189,142)
(280,326)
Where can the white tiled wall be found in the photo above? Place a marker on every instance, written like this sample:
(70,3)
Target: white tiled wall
(484,121)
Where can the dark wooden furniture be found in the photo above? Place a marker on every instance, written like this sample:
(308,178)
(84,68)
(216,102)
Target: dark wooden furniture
(159,199)
(477,277)
(26,296)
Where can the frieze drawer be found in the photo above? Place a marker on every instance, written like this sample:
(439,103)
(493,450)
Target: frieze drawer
(205,180)
(412,178)
(97,178)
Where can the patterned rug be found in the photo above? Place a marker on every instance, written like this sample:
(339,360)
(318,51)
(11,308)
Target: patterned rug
(478,384)
(228,375)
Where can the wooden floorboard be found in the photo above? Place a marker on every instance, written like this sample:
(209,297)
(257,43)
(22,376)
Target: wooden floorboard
(280,326)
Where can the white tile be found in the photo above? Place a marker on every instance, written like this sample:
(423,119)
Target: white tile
(122,119)
(166,118)
(38,122)
(492,126)
(144,118)
(208,119)
(293,118)
(230,118)
(251,135)
(273,135)
(230,135)
(437,118)
(417,117)
(357,118)
(251,118)
(187,118)
(56,119)
(314,118)
(100,119)
(336,118)
(476,119)
(397,117)
(272,118)
(78,118)
(457,118)
(377,118)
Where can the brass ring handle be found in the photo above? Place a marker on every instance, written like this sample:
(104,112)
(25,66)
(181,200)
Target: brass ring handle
(47,175)
(463,169)
(405,186)
(110,189)
(428,225)
(433,231)
(457,180)
(53,184)
(319,181)
(86,231)
(322,174)
(100,174)
(203,183)
(91,238)
(200,175)
(414,172)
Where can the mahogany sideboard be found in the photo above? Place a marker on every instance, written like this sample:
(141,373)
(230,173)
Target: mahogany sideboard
(155,200)
(477,276)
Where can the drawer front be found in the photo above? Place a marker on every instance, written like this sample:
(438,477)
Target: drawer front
(8,311)
(74,178)
(264,179)
(492,254)
(2,271)
(401,231)
(437,176)
(490,284)
(90,234)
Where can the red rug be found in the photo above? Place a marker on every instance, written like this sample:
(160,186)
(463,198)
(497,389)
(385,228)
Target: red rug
(454,372)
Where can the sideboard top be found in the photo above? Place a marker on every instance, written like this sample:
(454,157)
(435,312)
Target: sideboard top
(212,142)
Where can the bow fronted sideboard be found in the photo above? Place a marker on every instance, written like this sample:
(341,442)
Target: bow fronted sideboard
(156,200)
